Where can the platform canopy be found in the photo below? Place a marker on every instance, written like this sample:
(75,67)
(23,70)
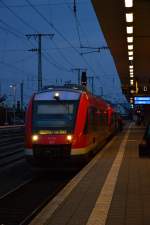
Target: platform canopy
(134,73)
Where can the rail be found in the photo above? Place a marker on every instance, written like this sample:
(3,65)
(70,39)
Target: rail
(11,144)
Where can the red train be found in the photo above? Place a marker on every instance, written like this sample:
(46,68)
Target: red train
(66,124)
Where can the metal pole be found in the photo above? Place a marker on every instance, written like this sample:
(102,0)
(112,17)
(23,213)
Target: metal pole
(92,84)
(21,95)
(78,76)
(39,36)
(14,100)
(101,90)
(6,116)
(39,63)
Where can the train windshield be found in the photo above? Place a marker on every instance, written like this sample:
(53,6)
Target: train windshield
(50,115)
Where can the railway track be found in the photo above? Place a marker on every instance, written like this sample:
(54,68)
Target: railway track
(18,207)
(11,145)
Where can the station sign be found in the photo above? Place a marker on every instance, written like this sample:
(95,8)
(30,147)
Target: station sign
(142,100)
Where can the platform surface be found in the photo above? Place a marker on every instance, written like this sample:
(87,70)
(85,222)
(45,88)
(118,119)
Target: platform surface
(113,189)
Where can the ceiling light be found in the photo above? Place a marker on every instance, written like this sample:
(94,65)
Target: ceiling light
(129,17)
(131,76)
(130,47)
(129,30)
(131,82)
(131,100)
(129,39)
(131,66)
(128,3)
(131,70)
(130,53)
(130,57)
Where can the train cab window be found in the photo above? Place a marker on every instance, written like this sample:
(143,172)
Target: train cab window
(54,115)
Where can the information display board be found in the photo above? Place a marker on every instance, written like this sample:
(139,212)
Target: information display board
(142,100)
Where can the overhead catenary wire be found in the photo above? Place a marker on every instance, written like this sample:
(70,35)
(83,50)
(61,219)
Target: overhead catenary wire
(18,17)
(54,3)
(27,24)
(57,31)
(17,33)
(59,67)
(14,67)
(74,13)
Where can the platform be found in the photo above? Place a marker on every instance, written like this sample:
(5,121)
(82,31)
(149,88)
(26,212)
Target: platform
(113,189)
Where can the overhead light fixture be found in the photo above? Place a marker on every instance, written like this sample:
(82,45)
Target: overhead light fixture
(131,66)
(129,39)
(129,17)
(131,105)
(130,53)
(130,57)
(128,3)
(131,82)
(131,76)
(131,100)
(129,30)
(131,70)
(130,47)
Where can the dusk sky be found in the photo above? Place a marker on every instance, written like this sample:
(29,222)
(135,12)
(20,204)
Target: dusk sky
(61,54)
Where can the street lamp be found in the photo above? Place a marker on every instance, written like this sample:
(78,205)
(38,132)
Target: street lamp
(13,86)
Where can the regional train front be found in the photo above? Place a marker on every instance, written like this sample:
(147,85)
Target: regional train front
(50,126)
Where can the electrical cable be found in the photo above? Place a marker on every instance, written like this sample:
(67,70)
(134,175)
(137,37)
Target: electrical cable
(57,31)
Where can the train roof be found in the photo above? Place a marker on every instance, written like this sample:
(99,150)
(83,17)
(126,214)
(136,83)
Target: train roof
(73,87)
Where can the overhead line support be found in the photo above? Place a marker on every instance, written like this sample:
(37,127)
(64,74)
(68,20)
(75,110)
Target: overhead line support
(39,50)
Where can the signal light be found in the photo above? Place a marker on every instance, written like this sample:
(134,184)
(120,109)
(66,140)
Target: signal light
(84,79)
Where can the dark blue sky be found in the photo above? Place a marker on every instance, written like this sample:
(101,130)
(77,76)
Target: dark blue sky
(60,54)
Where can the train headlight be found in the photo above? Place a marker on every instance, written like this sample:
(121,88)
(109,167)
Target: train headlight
(35,137)
(69,137)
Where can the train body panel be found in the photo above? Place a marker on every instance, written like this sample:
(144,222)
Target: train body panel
(64,123)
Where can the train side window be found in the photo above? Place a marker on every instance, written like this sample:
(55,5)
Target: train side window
(93,119)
